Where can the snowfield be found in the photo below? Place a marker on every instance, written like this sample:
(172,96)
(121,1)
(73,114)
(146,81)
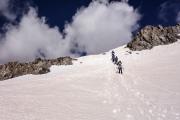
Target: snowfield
(91,89)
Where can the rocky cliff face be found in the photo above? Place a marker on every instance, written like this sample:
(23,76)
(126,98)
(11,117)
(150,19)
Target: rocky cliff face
(39,66)
(151,36)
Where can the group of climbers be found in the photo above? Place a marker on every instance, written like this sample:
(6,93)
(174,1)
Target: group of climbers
(116,62)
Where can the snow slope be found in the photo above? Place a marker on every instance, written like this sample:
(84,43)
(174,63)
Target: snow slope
(91,89)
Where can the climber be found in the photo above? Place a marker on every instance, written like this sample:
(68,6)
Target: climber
(116,60)
(113,56)
(119,63)
(120,68)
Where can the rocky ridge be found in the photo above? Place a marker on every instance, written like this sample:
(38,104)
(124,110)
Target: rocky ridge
(39,66)
(151,36)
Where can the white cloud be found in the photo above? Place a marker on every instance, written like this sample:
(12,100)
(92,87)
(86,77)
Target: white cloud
(169,9)
(3,4)
(4,9)
(178,17)
(125,1)
(95,29)
(30,39)
(101,27)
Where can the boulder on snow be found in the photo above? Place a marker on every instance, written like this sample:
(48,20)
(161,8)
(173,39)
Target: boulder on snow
(151,36)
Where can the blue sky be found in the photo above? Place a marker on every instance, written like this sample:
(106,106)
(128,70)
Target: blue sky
(44,28)
(59,11)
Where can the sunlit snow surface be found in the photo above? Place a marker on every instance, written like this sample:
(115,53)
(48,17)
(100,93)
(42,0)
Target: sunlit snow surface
(91,89)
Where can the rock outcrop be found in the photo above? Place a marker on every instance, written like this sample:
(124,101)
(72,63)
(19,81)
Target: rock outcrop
(39,66)
(151,36)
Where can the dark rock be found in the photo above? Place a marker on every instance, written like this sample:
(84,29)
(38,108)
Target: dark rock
(38,66)
(151,36)
(41,70)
